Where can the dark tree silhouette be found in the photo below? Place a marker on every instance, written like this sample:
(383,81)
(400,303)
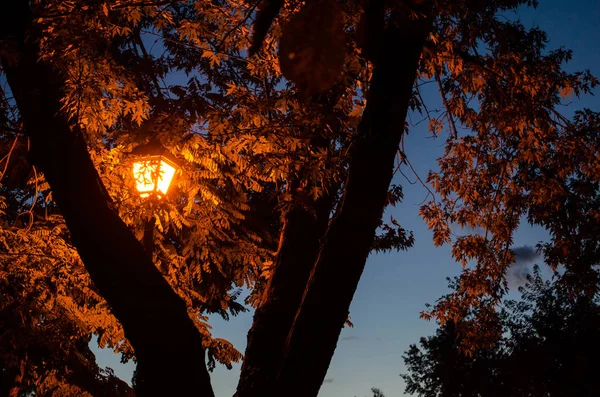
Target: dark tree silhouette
(550,348)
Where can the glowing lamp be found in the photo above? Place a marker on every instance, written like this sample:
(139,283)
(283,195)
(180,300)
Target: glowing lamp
(153,170)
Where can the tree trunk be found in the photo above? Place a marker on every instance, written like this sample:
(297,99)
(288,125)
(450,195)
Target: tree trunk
(324,308)
(167,345)
(298,249)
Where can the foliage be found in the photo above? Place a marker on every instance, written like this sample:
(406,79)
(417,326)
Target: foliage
(140,73)
(549,347)
(376,392)
(50,308)
(521,159)
(177,72)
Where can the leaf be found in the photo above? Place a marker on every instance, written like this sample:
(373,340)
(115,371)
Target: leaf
(313,46)
(348,322)
(357,111)
(230,88)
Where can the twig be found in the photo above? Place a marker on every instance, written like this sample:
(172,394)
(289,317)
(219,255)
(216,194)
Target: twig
(8,155)
(406,177)
(423,103)
(448,112)
(138,40)
(407,161)
(34,201)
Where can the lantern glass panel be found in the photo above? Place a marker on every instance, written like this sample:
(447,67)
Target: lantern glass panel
(153,175)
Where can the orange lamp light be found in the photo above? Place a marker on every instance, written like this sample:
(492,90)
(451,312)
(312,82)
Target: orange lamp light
(153,171)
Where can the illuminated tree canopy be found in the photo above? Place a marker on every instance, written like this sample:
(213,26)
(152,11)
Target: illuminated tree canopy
(286,161)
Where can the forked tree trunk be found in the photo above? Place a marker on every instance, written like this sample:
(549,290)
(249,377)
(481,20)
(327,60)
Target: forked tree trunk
(167,345)
(333,281)
(298,249)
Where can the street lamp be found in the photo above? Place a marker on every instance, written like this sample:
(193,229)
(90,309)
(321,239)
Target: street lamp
(153,170)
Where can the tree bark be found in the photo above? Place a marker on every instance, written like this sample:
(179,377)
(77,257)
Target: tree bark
(168,347)
(324,309)
(298,249)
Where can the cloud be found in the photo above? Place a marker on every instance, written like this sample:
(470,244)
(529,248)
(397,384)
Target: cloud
(328,380)
(517,273)
(352,337)
(525,253)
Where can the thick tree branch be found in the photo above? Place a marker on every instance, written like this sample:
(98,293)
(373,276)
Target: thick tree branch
(333,281)
(299,245)
(168,347)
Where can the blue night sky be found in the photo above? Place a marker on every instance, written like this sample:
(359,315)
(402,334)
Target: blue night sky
(394,287)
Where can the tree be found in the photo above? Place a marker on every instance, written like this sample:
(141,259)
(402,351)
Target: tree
(264,161)
(549,347)
(376,392)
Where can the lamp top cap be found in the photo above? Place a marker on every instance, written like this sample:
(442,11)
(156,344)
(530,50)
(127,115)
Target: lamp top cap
(154,148)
